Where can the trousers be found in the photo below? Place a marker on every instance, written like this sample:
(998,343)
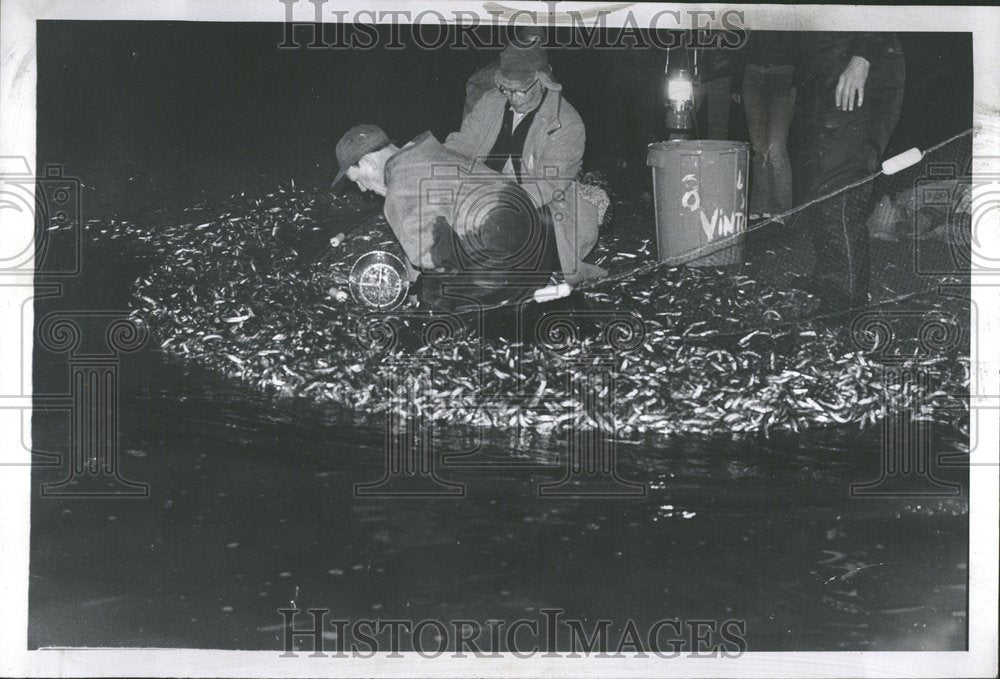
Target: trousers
(769,101)
(832,149)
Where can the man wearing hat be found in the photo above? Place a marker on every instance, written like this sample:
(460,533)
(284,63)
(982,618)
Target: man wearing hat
(449,219)
(525,130)
(482,81)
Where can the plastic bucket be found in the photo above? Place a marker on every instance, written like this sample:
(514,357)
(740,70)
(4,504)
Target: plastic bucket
(700,197)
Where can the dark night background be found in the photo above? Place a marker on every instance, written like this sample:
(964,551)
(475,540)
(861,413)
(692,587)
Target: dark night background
(156,114)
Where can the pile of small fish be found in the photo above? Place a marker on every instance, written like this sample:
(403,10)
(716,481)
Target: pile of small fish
(250,288)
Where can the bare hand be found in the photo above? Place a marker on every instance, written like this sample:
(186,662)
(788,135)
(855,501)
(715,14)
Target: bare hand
(738,98)
(852,84)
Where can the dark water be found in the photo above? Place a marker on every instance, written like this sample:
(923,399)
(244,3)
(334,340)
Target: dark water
(252,509)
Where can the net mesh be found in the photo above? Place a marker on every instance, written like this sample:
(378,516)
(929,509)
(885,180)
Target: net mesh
(249,288)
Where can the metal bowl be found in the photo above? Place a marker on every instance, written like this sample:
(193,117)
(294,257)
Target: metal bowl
(379,280)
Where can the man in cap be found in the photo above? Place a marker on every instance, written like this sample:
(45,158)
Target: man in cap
(449,220)
(482,81)
(525,130)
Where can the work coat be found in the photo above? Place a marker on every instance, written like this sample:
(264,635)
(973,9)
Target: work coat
(423,182)
(551,159)
(441,214)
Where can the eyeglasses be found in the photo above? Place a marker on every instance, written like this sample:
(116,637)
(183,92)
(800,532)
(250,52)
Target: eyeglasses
(510,93)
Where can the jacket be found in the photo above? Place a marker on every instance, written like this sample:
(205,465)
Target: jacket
(551,160)
(424,183)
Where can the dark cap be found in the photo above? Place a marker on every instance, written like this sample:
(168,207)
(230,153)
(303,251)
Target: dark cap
(521,63)
(355,144)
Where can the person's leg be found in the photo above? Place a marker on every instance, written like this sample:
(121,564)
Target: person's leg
(826,159)
(779,105)
(753,104)
(884,98)
(834,149)
(887,97)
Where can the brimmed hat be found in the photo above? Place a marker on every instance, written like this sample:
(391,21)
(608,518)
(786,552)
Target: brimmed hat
(356,143)
(521,65)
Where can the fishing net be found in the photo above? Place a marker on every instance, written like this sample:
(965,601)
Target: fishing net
(917,221)
(762,347)
(253,288)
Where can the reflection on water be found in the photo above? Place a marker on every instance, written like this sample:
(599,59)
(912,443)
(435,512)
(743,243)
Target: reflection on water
(252,509)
